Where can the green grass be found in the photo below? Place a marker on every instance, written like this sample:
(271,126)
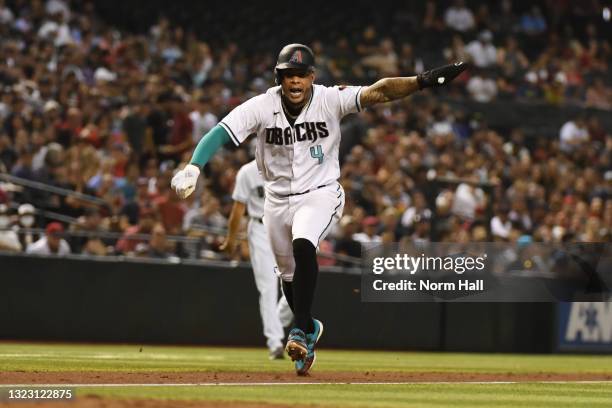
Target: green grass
(393,396)
(70,357)
(128,358)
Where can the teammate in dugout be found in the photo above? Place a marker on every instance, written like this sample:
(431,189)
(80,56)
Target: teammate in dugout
(297,125)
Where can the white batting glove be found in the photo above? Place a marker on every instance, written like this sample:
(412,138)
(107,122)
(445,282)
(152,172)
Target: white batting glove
(184,181)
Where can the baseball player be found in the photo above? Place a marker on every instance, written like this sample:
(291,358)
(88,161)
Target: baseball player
(275,314)
(297,124)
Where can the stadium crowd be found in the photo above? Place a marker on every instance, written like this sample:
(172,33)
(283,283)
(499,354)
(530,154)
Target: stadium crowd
(92,108)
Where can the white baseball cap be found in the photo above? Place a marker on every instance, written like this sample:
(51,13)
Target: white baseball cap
(26,209)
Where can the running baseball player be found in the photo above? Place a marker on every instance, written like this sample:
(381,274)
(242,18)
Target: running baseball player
(275,313)
(297,124)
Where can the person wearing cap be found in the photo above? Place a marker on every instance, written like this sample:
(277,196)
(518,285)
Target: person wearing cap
(27,219)
(9,241)
(52,243)
(482,51)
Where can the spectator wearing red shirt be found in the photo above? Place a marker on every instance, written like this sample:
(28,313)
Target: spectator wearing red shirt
(180,130)
(127,243)
(170,209)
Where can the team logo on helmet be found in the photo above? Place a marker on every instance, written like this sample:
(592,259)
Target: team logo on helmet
(296,57)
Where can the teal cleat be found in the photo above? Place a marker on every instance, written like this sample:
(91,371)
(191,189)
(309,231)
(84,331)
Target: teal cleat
(296,346)
(304,365)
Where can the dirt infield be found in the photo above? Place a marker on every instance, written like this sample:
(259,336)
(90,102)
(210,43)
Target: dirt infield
(91,401)
(340,377)
(337,377)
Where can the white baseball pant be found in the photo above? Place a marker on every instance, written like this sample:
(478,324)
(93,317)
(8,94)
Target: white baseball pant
(275,313)
(311,216)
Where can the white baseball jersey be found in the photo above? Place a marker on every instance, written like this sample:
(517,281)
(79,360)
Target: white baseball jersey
(249,189)
(302,157)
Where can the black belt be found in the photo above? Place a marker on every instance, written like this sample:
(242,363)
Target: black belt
(259,220)
(307,191)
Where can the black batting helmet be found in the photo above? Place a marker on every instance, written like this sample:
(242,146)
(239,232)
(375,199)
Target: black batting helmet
(294,56)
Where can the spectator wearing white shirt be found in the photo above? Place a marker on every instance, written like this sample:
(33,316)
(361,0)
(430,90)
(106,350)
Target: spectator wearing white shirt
(467,200)
(9,241)
(501,226)
(6,15)
(51,243)
(573,134)
(202,118)
(419,208)
(370,224)
(482,51)
(482,87)
(459,17)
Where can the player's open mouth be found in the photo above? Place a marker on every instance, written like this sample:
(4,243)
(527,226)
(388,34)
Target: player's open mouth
(295,92)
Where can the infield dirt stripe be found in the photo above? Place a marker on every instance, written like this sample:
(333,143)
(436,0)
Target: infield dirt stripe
(255,384)
(324,377)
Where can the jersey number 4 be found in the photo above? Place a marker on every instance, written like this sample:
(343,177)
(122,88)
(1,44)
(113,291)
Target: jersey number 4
(317,153)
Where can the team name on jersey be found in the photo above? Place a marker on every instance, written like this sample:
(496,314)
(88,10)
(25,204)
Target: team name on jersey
(306,131)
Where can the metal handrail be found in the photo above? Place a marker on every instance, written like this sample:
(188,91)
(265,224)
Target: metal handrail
(116,235)
(175,238)
(52,189)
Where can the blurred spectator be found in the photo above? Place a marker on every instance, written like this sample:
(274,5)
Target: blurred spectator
(501,224)
(158,244)
(418,209)
(345,243)
(384,60)
(573,134)
(203,118)
(532,22)
(370,224)
(8,156)
(459,17)
(180,138)
(52,243)
(482,87)
(468,199)
(6,15)
(208,215)
(511,59)
(26,220)
(422,228)
(89,227)
(431,20)
(170,209)
(456,51)
(9,241)
(128,242)
(325,247)
(23,167)
(482,52)
(599,96)
(135,128)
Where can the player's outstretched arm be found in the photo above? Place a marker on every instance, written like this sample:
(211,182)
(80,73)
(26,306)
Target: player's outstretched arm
(391,89)
(184,181)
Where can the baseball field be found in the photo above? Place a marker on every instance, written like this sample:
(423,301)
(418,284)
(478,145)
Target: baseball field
(159,376)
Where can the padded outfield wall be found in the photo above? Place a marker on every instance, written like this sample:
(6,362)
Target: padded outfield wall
(114,300)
